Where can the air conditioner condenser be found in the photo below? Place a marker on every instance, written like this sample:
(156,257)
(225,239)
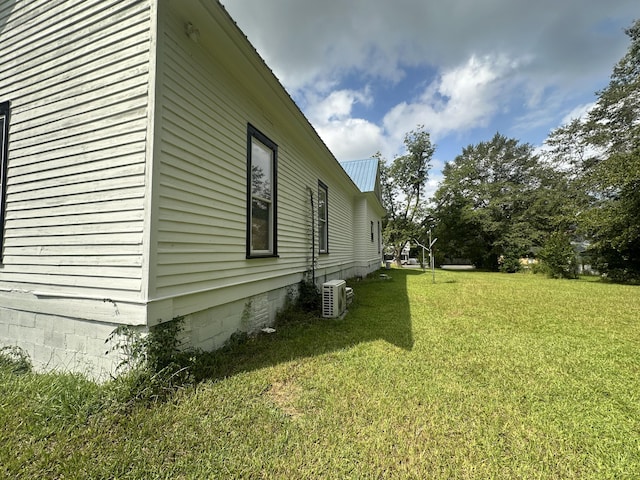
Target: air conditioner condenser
(334,298)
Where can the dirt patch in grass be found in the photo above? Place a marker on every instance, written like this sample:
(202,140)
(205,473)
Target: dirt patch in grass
(285,394)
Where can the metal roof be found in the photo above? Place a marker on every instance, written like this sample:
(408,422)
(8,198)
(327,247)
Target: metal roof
(363,173)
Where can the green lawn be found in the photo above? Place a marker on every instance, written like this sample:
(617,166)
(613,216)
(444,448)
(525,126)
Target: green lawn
(477,376)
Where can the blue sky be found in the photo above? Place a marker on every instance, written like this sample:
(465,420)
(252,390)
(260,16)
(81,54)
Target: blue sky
(365,72)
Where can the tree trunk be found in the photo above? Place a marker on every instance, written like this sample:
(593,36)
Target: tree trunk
(398,254)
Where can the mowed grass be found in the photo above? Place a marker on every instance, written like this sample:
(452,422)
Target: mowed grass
(479,375)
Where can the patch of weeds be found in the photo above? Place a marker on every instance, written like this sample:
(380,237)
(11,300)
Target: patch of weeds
(301,306)
(154,365)
(47,400)
(15,360)
(223,361)
(236,338)
(66,398)
(309,299)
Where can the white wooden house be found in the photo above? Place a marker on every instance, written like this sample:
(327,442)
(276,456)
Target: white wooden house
(154,167)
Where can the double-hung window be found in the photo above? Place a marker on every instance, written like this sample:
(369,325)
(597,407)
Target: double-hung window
(4,150)
(323,218)
(261,195)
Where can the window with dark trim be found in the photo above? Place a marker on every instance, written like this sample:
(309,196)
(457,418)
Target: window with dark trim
(371,232)
(379,238)
(5,108)
(323,218)
(262,161)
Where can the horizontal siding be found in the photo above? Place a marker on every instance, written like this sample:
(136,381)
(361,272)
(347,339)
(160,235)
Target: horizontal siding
(69,284)
(77,75)
(77,260)
(202,187)
(367,250)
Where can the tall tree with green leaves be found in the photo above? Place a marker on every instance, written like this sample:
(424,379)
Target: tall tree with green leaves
(403,189)
(568,152)
(614,126)
(495,204)
(607,171)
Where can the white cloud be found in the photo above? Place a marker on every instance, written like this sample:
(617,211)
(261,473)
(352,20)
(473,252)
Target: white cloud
(336,106)
(463,97)
(525,62)
(435,177)
(352,138)
(578,113)
(347,137)
(308,43)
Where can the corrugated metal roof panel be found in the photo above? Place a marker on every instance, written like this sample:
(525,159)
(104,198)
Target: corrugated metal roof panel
(362,172)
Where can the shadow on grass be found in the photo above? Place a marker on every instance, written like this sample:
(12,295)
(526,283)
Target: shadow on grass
(380,311)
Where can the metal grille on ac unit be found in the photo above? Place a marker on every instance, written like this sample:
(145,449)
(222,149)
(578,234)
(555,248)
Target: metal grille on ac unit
(334,298)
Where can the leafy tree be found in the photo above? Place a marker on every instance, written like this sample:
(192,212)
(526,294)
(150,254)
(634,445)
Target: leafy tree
(604,151)
(614,126)
(403,190)
(570,154)
(509,261)
(567,148)
(614,121)
(497,200)
(559,257)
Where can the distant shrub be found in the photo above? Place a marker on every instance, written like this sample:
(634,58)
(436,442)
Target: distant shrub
(558,257)
(619,275)
(538,268)
(510,262)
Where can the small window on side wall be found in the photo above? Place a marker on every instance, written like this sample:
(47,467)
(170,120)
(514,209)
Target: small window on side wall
(323,218)
(5,108)
(371,232)
(261,195)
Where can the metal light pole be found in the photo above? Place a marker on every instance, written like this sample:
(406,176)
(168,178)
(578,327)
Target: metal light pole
(432,263)
(431,258)
(423,249)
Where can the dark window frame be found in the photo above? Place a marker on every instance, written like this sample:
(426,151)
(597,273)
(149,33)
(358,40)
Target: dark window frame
(5,114)
(254,133)
(322,187)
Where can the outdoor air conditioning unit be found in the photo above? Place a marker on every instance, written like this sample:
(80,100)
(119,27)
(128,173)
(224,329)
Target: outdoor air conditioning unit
(334,298)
